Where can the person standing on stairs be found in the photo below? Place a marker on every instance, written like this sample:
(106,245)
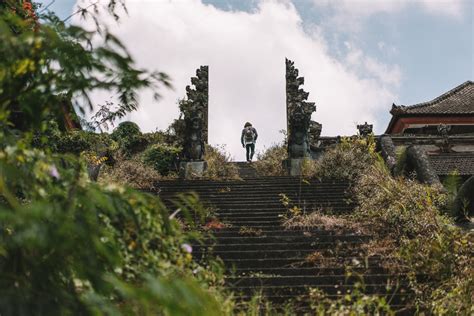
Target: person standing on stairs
(248,139)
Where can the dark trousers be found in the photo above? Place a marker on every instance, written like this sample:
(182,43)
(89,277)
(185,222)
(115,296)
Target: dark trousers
(250,149)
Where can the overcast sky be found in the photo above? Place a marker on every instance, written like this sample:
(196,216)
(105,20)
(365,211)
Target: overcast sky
(357,56)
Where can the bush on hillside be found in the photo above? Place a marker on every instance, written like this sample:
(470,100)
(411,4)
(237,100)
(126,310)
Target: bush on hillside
(425,242)
(347,160)
(132,172)
(129,138)
(162,158)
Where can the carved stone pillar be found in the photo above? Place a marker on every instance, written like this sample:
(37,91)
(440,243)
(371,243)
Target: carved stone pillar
(195,114)
(298,113)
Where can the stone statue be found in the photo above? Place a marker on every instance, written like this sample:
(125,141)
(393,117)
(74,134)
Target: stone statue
(298,113)
(314,132)
(365,129)
(195,113)
(443,131)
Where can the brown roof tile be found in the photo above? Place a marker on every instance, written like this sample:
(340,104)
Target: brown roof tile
(459,100)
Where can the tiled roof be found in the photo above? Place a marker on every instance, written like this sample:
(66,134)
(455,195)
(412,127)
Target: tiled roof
(459,100)
(446,163)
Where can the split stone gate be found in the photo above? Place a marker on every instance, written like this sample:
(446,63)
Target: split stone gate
(301,130)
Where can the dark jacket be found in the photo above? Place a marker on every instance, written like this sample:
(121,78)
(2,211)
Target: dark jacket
(242,138)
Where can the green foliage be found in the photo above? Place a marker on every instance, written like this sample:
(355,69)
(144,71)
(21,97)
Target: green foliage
(129,137)
(38,64)
(64,240)
(401,166)
(162,158)
(452,183)
(354,303)
(69,246)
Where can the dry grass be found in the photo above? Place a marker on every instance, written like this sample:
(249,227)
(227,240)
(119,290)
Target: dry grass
(318,259)
(270,162)
(131,172)
(317,219)
(218,164)
(250,231)
(397,206)
(348,160)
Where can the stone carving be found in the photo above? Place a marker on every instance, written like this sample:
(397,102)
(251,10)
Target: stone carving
(195,112)
(387,149)
(314,132)
(365,129)
(463,207)
(298,113)
(443,131)
(417,160)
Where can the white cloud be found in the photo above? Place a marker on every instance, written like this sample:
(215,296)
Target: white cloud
(245,53)
(359,62)
(349,15)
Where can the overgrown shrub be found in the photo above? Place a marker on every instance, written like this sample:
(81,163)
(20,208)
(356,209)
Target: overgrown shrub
(162,158)
(270,162)
(218,164)
(132,172)
(425,242)
(129,138)
(403,206)
(348,160)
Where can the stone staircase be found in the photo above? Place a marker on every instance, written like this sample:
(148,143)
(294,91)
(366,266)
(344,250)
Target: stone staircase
(261,256)
(246,171)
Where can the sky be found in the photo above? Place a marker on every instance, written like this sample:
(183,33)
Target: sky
(357,56)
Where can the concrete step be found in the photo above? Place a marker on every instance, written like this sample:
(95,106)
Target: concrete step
(389,280)
(296,290)
(260,255)
(307,271)
(242,239)
(397,301)
(275,231)
(297,263)
(294,254)
(277,246)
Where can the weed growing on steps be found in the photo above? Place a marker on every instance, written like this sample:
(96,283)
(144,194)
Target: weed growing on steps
(250,231)
(319,219)
(353,303)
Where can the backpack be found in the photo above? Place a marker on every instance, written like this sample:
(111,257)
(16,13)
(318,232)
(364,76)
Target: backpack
(249,134)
